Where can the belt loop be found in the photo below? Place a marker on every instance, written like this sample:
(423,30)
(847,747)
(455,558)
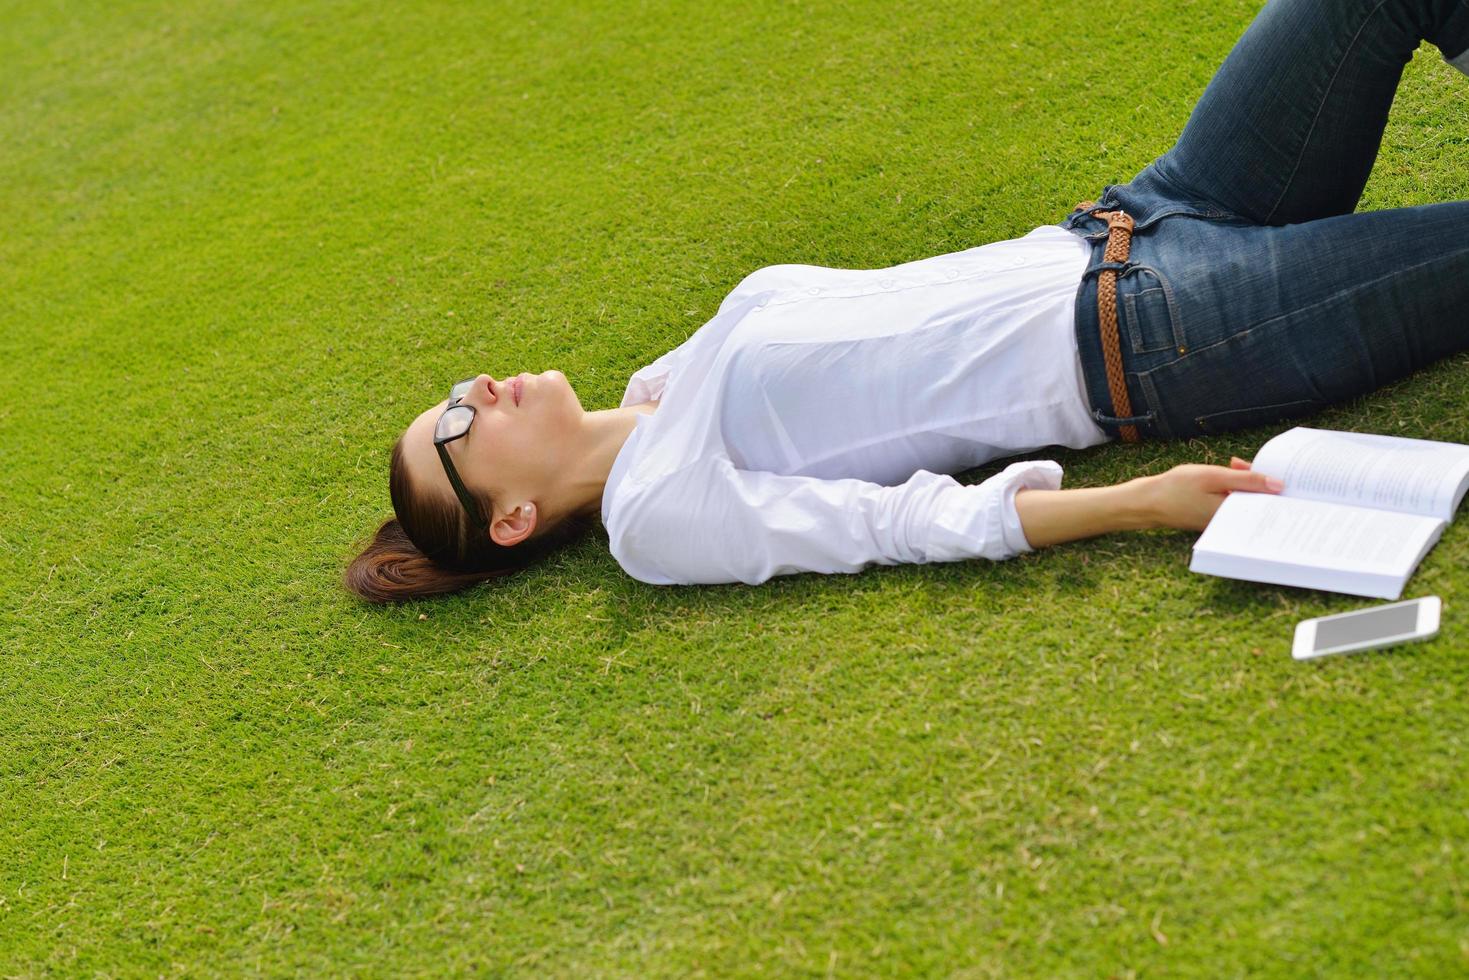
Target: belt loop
(1119,267)
(1100,416)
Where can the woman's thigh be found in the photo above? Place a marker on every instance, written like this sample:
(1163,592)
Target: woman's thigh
(1288,128)
(1229,324)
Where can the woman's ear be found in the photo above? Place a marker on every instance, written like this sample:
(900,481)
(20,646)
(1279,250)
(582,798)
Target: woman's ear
(515,526)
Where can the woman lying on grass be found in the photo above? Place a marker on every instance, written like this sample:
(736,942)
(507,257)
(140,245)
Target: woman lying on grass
(810,425)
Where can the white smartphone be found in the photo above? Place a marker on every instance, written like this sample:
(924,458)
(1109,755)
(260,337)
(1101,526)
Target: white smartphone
(1367,629)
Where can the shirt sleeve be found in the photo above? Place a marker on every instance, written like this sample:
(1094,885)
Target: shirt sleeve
(711,522)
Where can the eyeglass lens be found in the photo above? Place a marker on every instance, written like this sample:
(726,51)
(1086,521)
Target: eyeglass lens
(454,423)
(456,418)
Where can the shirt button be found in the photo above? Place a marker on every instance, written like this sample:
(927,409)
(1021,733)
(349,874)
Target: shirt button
(887,284)
(953,273)
(814,290)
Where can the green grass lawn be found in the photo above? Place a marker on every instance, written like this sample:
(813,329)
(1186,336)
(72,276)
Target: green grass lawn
(244,244)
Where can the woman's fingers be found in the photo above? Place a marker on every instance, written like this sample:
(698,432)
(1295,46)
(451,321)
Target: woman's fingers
(1241,477)
(1247,479)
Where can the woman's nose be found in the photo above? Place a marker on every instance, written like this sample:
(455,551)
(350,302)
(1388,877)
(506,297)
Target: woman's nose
(484,391)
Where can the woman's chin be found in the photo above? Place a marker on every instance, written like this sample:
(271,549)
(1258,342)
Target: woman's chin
(556,379)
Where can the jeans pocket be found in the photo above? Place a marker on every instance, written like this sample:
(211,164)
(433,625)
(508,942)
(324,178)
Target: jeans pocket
(1151,321)
(1248,418)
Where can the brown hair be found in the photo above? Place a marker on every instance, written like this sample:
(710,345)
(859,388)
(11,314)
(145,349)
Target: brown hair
(430,548)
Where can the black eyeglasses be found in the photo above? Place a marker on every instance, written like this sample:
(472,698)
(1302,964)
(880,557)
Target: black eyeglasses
(454,424)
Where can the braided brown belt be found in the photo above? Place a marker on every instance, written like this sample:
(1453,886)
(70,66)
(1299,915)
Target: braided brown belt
(1119,243)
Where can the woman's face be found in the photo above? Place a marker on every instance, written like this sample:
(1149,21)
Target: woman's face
(523,428)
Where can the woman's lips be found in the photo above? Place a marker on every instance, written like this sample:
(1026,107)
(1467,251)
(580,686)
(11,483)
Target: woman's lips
(518,385)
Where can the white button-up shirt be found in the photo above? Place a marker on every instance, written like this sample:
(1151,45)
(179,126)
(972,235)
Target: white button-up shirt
(811,424)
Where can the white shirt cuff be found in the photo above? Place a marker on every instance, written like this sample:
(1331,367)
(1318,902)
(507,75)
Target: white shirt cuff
(980,520)
(1039,474)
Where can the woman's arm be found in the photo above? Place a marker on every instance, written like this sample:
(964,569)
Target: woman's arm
(712,522)
(1054,516)
(1184,497)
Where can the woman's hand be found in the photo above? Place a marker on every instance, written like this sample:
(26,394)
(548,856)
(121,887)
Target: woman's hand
(1187,496)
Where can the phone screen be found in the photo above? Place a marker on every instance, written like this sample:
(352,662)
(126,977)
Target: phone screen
(1369,624)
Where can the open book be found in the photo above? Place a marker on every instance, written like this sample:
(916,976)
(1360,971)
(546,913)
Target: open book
(1358,512)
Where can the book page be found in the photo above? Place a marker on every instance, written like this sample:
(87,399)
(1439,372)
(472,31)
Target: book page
(1415,476)
(1309,532)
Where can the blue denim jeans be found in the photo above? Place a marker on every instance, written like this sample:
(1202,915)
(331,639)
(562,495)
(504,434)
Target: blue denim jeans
(1253,293)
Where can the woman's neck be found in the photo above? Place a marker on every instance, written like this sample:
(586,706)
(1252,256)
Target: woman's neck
(603,434)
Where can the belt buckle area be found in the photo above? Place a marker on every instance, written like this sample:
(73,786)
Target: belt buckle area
(1115,219)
